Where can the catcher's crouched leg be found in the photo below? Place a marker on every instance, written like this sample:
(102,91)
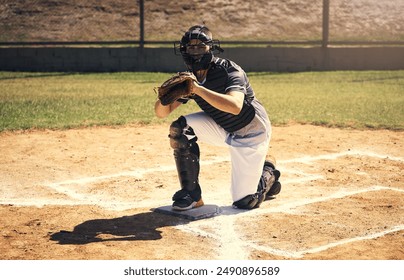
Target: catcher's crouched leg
(268,186)
(186,154)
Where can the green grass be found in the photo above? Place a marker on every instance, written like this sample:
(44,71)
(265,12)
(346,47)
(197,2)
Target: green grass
(369,99)
(360,99)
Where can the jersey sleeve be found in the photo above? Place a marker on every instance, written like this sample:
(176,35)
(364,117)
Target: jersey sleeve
(237,79)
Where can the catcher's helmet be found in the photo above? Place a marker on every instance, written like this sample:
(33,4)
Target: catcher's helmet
(194,60)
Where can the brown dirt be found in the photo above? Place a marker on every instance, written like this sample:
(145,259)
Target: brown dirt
(88,194)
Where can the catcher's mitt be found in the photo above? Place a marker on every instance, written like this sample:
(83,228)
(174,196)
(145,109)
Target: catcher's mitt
(179,85)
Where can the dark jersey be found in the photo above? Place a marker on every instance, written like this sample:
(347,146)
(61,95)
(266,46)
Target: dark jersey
(224,76)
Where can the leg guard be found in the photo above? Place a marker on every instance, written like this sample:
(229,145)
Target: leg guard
(186,154)
(271,178)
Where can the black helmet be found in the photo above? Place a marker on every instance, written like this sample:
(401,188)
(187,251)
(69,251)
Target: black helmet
(196,62)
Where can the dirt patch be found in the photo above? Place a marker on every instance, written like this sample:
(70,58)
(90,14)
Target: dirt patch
(89,194)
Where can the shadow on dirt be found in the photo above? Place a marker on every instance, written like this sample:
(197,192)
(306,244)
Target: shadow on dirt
(143,226)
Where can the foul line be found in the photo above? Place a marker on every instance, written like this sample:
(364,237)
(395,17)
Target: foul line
(309,159)
(350,240)
(83,198)
(139,172)
(61,187)
(289,207)
(300,254)
(286,208)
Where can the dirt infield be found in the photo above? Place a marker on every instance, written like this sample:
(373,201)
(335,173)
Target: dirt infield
(89,194)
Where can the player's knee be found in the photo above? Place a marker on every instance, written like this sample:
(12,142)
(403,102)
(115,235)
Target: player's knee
(177,127)
(178,139)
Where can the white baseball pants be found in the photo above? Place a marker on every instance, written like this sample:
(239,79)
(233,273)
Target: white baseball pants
(248,148)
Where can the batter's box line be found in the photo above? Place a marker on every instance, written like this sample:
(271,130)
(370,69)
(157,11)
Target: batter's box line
(290,207)
(138,173)
(142,171)
(302,253)
(232,214)
(62,187)
(107,205)
(293,254)
(310,159)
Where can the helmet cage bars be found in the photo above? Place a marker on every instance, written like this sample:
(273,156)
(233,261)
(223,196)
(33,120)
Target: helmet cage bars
(181,48)
(193,59)
(197,32)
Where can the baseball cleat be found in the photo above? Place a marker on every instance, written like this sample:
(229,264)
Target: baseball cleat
(186,203)
(274,190)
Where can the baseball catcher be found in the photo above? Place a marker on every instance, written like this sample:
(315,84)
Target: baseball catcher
(230,117)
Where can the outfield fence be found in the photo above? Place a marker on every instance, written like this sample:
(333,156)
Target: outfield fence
(143,22)
(261,35)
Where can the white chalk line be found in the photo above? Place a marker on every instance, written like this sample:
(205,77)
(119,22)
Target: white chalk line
(139,173)
(108,205)
(83,199)
(64,187)
(75,197)
(289,207)
(309,159)
(221,222)
(300,254)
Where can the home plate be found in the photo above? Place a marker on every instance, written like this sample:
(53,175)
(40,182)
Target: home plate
(203,212)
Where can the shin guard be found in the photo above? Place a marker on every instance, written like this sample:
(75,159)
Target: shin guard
(186,155)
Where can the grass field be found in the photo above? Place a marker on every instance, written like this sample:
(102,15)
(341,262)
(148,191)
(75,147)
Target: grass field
(358,99)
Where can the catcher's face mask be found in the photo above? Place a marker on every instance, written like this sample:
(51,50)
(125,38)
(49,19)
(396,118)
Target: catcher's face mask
(197,48)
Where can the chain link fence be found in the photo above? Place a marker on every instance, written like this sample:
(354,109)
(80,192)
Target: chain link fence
(68,20)
(236,21)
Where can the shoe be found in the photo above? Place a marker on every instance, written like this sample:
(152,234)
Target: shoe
(274,190)
(183,201)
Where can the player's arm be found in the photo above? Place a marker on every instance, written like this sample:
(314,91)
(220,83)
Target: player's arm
(162,111)
(231,102)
